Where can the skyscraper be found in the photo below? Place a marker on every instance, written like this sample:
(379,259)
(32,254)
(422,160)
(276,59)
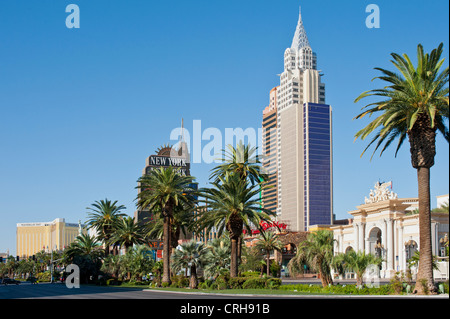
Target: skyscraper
(270,195)
(304,141)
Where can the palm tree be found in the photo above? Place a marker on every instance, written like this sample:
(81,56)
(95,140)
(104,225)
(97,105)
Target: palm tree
(157,270)
(268,241)
(317,253)
(218,257)
(443,209)
(137,262)
(104,217)
(86,252)
(191,256)
(183,220)
(231,205)
(161,191)
(359,262)
(112,264)
(128,233)
(415,104)
(241,160)
(85,246)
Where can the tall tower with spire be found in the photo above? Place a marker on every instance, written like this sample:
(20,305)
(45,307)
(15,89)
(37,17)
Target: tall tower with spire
(304,143)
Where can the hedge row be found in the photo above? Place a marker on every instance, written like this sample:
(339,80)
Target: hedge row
(340,290)
(222,283)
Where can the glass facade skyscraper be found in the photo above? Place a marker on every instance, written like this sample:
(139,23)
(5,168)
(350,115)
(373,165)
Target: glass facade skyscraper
(317,164)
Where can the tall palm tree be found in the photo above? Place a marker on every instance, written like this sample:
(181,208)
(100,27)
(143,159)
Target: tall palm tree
(317,253)
(268,241)
(232,205)
(242,160)
(161,191)
(128,233)
(103,217)
(414,105)
(190,256)
(182,222)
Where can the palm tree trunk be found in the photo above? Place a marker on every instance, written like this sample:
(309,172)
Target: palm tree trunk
(166,250)
(234,258)
(425,280)
(194,281)
(268,263)
(239,250)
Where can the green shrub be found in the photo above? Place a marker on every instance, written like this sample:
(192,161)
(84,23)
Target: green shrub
(221,283)
(254,283)
(113,282)
(273,283)
(339,290)
(250,274)
(203,285)
(44,276)
(238,282)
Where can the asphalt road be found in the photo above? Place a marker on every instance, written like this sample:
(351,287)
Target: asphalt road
(61,292)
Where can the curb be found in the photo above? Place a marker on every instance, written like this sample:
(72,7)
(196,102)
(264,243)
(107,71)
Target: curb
(268,296)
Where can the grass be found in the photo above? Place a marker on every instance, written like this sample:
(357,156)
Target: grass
(234,291)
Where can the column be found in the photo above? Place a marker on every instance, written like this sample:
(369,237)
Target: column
(356,236)
(362,237)
(385,243)
(435,238)
(390,246)
(400,249)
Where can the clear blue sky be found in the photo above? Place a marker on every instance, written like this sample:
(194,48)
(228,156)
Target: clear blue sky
(81,109)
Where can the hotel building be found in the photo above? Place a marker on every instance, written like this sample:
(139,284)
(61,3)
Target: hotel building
(303,164)
(56,235)
(270,127)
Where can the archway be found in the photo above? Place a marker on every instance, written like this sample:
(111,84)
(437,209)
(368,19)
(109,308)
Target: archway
(411,248)
(375,242)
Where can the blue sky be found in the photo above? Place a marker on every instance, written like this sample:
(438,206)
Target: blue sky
(81,109)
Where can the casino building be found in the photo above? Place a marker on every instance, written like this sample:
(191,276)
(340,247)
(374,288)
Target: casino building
(55,235)
(166,156)
(297,141)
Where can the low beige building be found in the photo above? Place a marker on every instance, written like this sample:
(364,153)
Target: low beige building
(388,226)
(35,237)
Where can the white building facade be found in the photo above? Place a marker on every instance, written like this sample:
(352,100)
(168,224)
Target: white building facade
(389,227)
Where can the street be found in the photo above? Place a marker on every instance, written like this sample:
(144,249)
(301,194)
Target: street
(60,291)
